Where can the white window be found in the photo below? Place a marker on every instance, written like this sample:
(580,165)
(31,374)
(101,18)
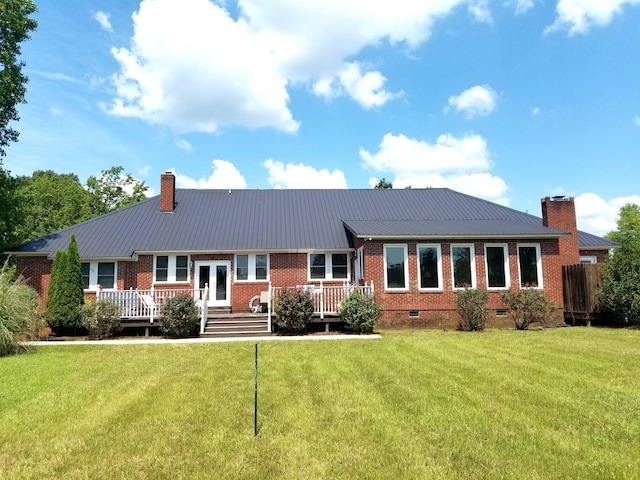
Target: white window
(496,257)
(99,275)
(430,267)
(252,267)
(360,264)
(396,267)
(530,265)
(588,259)
(171,269)
(329,266)
(463,266)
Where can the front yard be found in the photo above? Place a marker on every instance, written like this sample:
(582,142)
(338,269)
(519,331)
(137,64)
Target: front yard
(543,404)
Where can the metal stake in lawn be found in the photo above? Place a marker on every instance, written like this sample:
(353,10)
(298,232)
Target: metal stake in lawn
(255,395)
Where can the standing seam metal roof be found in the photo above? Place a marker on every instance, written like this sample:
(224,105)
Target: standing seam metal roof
(272,220)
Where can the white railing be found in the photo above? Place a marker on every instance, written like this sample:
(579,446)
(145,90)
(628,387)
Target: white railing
(326,298)
(204,309)
(146,303)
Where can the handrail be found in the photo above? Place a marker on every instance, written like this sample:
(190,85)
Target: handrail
(205,308)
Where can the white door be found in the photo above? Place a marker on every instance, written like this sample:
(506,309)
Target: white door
(217,274)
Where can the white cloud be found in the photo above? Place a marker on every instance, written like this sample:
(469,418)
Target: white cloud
(535,111)
(225,175)
(521,6)
(144,171)
(636,121)
(184,145)
(457,163)
(597,215)
(475,101)
(479,10)
(103,20)
(299,175)
(57,76)
(579,16)
(193,67)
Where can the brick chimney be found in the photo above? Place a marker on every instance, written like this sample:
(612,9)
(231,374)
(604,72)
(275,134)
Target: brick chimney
(560,212)
(167,192)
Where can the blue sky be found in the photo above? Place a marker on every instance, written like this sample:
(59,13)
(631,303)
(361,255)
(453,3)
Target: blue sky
(507,100)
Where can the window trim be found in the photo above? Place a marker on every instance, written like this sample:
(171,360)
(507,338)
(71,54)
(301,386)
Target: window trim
(472,258)
(405,247)
(93,275)
(328,266)
(438,248)
(507,272)
(171,268)
(251,267)
(586,259)
(540,284)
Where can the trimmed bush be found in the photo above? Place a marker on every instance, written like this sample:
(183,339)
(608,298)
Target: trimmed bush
(101,318)
(19,311)
(293,311)
(179,315)
(360,312)
(528,306)
(471,304)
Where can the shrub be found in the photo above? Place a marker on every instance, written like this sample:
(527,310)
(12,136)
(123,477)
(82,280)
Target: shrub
(527,306)
(618,297)
(101,318)
(293,311)
(471,304)
(179,315)
(65,295)
(19,311)
(360,312)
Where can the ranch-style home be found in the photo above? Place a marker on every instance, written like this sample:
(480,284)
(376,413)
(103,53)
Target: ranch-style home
(234,250)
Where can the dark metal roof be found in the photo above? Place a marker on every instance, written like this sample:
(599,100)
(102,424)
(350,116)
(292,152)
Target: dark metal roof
(286,220)
(589,241)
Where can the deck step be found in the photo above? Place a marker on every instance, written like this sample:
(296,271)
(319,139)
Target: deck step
(229,325)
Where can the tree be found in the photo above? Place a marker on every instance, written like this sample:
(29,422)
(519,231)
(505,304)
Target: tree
(15,26)
(65,295)
(50,202)
(383,184)
(11,213)
(619,295)
(114,190)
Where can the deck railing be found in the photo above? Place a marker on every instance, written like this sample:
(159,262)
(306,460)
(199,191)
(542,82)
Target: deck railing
(146,303)
(326,298)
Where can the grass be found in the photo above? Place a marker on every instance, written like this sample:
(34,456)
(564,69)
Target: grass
(544,404)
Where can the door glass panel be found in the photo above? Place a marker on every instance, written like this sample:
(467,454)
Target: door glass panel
(203,277)
(221,282)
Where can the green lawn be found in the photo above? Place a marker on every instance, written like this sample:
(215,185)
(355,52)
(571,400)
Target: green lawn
(543,404)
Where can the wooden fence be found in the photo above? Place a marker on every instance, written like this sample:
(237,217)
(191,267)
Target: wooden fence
(579,285)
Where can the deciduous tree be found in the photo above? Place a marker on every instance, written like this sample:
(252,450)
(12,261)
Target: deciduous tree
(15,26)
(114,190)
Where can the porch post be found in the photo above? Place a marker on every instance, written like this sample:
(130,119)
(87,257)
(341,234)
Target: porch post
(152,306)
(321,301)
(269,310)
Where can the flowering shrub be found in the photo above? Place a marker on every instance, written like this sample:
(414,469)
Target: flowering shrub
(527,306)
(101,318)
(472,308)
(293,311)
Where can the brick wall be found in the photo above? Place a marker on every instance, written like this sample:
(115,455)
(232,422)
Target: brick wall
(37,271)
(437,308)
(601,255)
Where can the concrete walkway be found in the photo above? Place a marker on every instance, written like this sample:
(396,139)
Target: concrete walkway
(160,341)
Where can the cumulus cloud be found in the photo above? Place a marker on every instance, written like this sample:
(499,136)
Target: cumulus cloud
(597,215)
(103,20)
(521,6)
(579,16)
(299,175)
(476,101)
(184,145)
(479,10)
(193,67)
(458,163)
(225,175)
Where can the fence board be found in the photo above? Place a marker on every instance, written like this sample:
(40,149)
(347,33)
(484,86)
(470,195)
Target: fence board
(579,284)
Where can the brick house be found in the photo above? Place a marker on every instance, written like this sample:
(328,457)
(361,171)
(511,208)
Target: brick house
(415,248)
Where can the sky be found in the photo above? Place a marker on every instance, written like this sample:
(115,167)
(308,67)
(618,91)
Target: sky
(506,100)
